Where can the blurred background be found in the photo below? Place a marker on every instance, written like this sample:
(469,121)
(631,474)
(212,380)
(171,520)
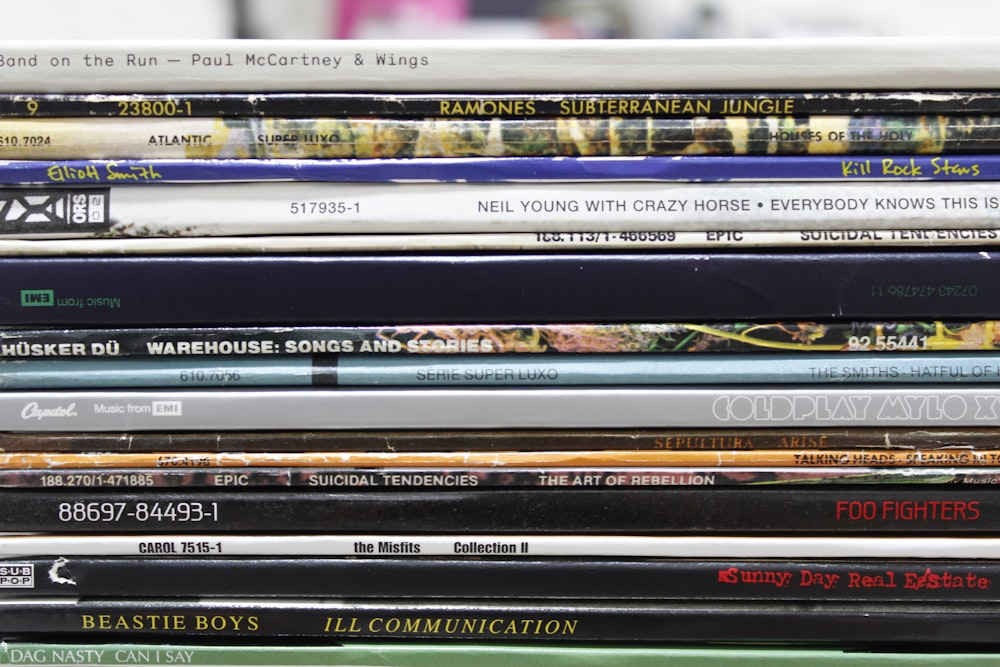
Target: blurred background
(477,19)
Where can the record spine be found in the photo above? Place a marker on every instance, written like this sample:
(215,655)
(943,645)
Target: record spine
(874,440)
(443,654)
(750,406)
(473,478)
(549,579)
(885,239)
(132,66)
(763,510)
(606,211)
(488,339)
(270,138)
(886,459)
(496,287)
(843,624)
(502,105)
(330,370)
(682,168)
(530,545)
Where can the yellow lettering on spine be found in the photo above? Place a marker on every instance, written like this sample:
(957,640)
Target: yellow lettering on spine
(487,108)
(433,626)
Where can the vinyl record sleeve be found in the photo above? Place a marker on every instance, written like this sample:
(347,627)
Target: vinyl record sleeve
(678,510)
(854,625)
(499,577)
(411,288)
(499,65)
(459,654)
(709,168)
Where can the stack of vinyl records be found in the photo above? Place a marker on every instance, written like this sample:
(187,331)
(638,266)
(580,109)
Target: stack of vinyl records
(424,353)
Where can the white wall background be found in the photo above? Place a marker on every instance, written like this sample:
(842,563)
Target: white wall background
(796,18)
(114,19)
(149,19)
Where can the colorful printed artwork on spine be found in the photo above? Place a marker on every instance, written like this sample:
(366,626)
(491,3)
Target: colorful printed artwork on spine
(721,337)
(114,138)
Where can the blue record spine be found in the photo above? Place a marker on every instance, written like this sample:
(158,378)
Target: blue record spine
(505,370)
(984,167)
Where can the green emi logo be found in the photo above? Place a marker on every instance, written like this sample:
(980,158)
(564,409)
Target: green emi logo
(37,297)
